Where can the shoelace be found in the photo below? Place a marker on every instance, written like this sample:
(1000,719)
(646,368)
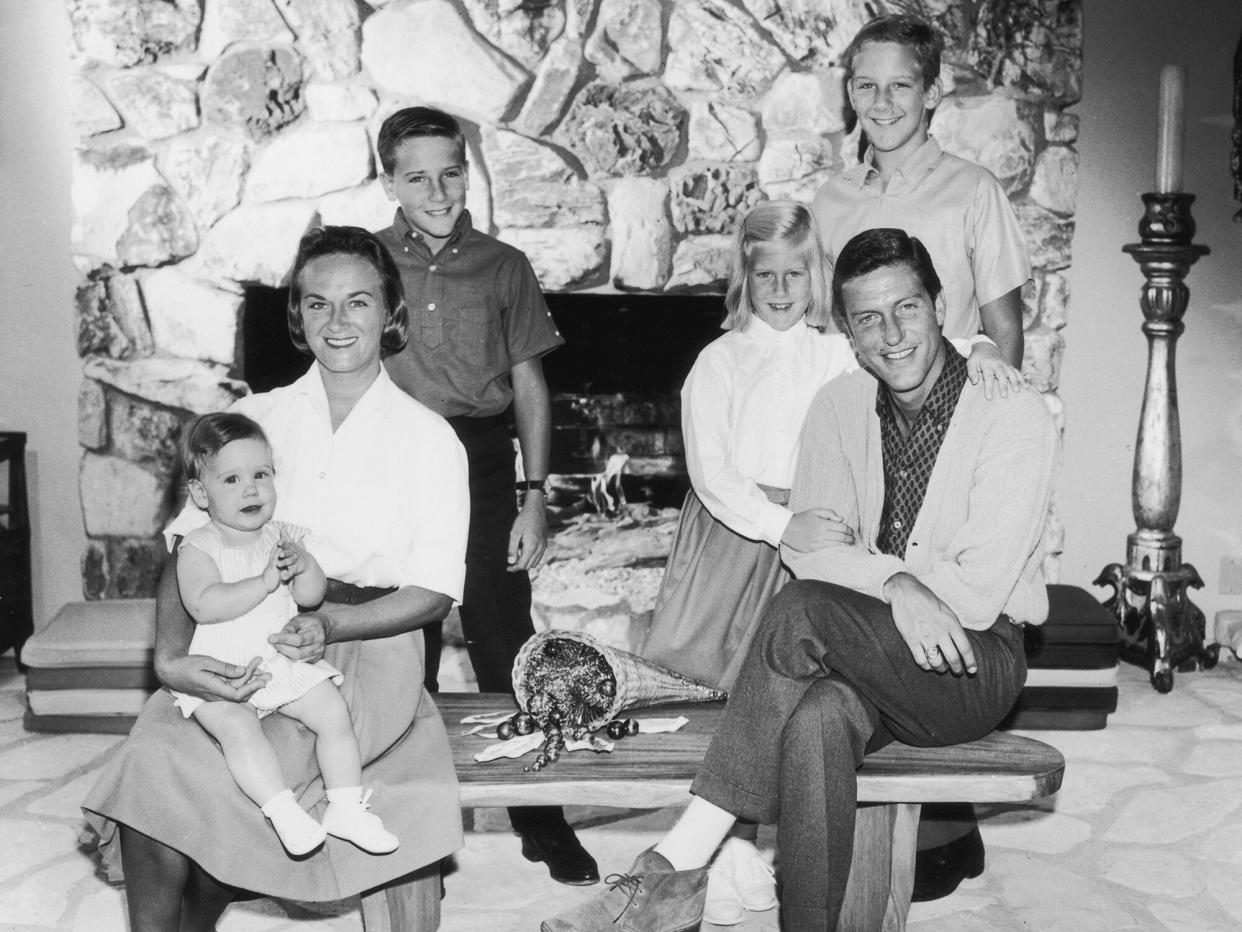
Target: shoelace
(627,883)
(365,802)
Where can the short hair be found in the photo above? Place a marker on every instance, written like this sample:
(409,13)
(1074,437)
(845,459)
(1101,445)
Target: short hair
(924,42)
(208,434)
(416,122)
(351,241)
(876,249)
(786,223)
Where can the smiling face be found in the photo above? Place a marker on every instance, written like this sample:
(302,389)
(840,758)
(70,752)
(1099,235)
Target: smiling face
(888,94)
(343,313)
(779,282)
(237,488)
(429,181)
(895,328)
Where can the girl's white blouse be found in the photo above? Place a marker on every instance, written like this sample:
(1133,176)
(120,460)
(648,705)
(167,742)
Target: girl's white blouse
(742,409)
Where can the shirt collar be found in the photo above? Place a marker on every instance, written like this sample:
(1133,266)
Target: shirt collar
(311,386)
(922,161)
(763,333)
(406,230)
(942,399)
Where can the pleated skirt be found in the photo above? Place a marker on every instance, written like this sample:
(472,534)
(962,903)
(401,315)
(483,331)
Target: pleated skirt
(717,585)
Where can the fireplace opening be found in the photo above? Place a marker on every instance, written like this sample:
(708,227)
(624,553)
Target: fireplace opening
(615,384)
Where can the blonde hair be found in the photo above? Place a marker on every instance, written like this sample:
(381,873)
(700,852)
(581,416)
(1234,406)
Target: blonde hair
(785,223)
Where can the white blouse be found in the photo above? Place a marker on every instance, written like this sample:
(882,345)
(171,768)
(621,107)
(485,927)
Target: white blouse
(742,409)
(385,495)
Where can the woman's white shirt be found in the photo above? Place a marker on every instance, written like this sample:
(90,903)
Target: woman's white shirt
(385,495)
(742,409)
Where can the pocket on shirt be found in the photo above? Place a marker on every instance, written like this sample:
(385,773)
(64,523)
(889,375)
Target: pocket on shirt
(471,325)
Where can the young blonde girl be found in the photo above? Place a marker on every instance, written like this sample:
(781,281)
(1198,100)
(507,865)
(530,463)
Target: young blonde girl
(242,576)
(743,405)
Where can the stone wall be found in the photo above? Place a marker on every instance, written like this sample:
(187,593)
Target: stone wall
(615,141)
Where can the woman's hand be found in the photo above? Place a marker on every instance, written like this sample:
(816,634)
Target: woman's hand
(931,630)
(303,637)
(986,364)
(210,679)
(529,537)
(815,529)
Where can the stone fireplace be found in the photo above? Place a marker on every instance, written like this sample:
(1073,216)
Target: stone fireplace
(614,141)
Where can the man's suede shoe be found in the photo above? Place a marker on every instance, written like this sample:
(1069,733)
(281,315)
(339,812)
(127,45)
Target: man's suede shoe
(938,871)
(652,897)
(559,848)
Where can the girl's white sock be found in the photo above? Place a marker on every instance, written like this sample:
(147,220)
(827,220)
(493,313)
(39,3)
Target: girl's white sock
(349,795)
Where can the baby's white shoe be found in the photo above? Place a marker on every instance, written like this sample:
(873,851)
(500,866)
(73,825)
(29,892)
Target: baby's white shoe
(753,879)
(347,818)
(298,832)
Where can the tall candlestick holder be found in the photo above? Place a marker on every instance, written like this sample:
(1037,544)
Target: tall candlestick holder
(1161,628)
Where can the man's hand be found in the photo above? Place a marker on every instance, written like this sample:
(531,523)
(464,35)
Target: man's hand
(987,365)
(815,529)
(212,680)
(529,536)
(936,639)
(303,637)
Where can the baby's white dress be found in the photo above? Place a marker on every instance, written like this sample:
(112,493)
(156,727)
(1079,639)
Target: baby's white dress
(245,637)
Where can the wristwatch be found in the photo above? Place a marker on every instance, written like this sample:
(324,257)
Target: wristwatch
(533,485)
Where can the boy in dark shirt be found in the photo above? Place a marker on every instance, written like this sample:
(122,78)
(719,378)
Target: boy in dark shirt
(478,327)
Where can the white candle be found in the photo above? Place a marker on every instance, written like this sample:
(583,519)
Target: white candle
(1170,129)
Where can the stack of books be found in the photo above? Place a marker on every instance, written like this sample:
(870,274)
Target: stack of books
(90,668)
(1072,662)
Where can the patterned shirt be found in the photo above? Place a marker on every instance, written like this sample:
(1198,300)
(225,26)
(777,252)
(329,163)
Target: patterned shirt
(909,461)
(476,311)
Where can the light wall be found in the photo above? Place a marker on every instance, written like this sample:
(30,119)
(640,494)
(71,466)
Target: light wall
(1124,47)
(39,370)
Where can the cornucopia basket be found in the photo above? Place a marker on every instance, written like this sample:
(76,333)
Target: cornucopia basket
(571,680)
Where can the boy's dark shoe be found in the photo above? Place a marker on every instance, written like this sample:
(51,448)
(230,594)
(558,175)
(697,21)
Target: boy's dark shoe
(652,897)
(557,846)
(938,871)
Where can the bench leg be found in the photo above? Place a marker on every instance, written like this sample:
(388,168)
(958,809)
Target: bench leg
(411,904)
(877,897)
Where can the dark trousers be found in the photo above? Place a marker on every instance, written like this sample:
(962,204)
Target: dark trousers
(495,607)
(828,680)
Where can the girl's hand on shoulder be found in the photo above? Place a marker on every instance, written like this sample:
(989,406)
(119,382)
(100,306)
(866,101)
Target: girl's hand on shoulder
(986,365)
(816,528)
(303,637)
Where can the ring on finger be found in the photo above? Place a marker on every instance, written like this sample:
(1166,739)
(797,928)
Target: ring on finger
(932,652)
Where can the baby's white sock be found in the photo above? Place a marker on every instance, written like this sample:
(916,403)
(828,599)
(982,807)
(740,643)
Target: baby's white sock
(299,833)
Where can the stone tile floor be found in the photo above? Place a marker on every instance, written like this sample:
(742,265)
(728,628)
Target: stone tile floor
(1145,834)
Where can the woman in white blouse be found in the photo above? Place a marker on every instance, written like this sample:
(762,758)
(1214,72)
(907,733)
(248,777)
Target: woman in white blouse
(381,482)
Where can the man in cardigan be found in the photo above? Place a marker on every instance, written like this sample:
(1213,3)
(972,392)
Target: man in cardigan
(908,630)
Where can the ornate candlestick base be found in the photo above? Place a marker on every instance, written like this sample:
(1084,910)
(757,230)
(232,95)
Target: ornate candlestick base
(1160,627)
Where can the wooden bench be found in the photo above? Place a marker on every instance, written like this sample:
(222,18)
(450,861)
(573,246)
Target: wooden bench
(653,771)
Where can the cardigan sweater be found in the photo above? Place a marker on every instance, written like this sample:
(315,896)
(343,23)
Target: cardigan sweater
(978,541)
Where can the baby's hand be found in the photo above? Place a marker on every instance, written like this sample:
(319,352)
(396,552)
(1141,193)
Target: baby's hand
(292,558)
(272,573)
(987,365)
